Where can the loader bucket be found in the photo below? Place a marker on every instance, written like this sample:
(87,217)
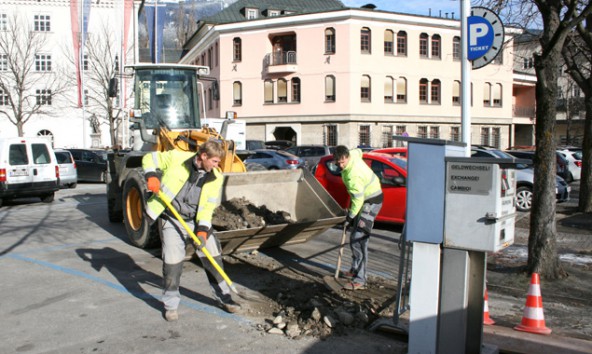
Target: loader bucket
(294,191)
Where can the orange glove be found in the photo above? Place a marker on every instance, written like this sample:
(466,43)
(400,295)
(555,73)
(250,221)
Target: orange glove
(153,184)
(202,236)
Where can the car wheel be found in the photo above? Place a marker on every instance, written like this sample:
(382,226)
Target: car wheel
(253,166)
(47,198)
(72,185)
(523,198)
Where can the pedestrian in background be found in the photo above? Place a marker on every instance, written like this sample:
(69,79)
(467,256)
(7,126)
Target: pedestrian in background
(193,182)
(366,197)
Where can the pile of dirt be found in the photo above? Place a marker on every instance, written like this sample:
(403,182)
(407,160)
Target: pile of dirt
(239,213)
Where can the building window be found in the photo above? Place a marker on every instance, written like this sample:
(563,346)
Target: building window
(528,63)
(455,133)
(330,41)
(3,98)
(237,49)
(330,135)
(422,131)
(401,90)
(389,44)
(3,62)
(42,23)
(237,93)
(210,99)
(423,45)
(85,62)
(329,88)
(282,89)
(210,59)
(387,136)
(456,48)
(42,62)
(388,89)
(43,97)
(401,130)
(365,93)
(365,40)
(456,93)
(273,13)
(435,132)
(423,91)
(497,95)
(268,88)
(3,22)
(496,137)
(364,135)
(295,89)
(435,92)
(485,136)
(85,97)
(436,46)
(216,56)
(487,95)
(252,14)
(402,43)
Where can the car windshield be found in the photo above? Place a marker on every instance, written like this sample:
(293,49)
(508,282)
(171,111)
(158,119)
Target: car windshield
(399,162)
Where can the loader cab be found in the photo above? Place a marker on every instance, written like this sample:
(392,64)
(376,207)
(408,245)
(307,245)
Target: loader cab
(167,95)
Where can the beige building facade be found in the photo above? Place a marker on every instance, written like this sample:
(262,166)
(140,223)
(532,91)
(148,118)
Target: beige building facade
(353,77)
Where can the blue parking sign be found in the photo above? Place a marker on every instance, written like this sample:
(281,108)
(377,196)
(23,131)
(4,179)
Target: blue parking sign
(480,37)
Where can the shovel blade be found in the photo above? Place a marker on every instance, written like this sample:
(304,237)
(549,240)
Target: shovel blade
(334,284)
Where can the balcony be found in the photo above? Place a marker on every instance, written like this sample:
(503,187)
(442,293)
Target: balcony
(523,111)
(281,62)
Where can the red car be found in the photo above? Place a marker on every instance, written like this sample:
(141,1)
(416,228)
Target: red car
(394,151)
(392,172)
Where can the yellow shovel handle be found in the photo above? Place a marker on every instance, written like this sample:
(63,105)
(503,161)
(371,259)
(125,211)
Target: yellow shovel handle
(167,201)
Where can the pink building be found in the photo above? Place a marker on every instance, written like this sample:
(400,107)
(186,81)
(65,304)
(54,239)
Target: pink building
(334,75)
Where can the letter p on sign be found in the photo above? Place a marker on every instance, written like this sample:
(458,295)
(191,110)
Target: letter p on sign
(477,30)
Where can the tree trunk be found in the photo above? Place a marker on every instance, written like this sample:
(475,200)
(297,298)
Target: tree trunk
(585,203)
(19,128)
(542,245)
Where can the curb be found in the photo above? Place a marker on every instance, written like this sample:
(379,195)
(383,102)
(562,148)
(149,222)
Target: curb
(511,341)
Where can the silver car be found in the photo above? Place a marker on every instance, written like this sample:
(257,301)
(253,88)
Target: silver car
(68,170)
(275,160)
(311,154)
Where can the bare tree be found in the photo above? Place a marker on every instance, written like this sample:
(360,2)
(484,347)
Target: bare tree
(29,80)
(556,18)
(101,64)
(577,54)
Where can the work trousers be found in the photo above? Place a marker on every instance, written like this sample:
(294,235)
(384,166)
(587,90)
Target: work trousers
(174,240)
(359,238)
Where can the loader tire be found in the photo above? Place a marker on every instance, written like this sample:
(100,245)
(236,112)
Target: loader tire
(137,226)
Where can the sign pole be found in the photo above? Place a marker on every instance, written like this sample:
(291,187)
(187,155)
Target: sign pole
(465,92)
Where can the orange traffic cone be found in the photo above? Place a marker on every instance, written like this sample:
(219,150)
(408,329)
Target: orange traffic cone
(533,320)
(486,319)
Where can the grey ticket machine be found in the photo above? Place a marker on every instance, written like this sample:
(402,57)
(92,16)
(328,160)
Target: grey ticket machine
(458,208)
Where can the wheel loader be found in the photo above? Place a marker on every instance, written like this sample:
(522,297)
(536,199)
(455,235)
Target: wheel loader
(166,115)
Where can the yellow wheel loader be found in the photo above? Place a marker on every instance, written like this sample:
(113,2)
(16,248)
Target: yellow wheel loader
(165,116)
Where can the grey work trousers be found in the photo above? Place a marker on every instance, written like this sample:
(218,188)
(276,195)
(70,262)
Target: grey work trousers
(174,240)
(359,238)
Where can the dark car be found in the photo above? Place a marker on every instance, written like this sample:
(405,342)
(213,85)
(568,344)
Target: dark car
(392,172)
(91,164)
(524,179)
(562,163)
(311,154)
(279,144)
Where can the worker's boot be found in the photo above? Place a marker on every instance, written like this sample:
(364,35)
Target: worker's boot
(171,315)
(227,304)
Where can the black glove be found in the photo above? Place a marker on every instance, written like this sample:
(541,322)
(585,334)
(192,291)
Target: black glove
(348,221)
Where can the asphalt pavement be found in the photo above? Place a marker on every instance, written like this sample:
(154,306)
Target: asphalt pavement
(73,284)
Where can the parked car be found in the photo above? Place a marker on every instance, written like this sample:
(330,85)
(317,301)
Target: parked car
(524,179)
(279,144)
(68,171)
(392,172)
(91,164)
(393,151)
(28,168)
(562,169)
(254,144)
(311,154)
(275,160)
(574,163)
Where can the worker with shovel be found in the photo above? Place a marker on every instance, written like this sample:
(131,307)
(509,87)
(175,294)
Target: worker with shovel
(365,192)
(184,198)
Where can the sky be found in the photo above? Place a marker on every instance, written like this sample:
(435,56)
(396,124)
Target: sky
(417,7)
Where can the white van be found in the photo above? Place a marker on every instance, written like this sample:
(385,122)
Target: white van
(28,168)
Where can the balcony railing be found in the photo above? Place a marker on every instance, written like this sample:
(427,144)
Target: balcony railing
(528,112)
(281,62)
